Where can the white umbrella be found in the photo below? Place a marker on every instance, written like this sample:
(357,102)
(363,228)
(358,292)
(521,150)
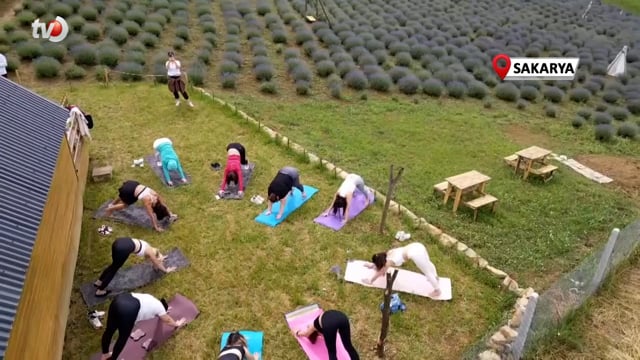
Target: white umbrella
(619,65)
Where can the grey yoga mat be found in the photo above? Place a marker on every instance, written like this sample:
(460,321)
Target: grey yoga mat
(232,189)
(152,161)
(131,215)
(132,278)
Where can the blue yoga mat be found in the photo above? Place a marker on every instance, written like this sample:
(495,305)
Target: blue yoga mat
(294,201)
(254,340)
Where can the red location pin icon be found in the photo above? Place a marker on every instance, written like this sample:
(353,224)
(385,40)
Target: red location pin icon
(501,71)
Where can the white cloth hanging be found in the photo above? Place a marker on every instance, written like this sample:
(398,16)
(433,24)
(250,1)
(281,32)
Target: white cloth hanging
(77,117)
(619,65)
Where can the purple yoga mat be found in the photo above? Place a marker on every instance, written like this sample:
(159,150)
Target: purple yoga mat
(155,329)
(335,221)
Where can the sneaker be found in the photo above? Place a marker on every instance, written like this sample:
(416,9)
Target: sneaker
(96,314)
(177,102)
(95,322)
(173,217)
(405,236)
(399,234)
(190,103)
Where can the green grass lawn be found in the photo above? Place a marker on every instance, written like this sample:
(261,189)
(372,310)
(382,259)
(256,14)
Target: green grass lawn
(632,6)
(539,229)
(244,275)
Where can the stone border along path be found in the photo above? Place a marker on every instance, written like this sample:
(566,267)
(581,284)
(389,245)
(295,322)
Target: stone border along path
(500,341)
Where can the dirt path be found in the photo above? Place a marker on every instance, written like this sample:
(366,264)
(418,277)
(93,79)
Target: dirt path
(6,8)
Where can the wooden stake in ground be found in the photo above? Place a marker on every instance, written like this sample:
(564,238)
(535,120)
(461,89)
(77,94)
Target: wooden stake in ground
(392,185)
(386,312)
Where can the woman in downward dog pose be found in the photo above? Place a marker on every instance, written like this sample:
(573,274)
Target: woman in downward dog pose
(131,191)
(396,257)
(237,349)
(120,251)
(168,159)
(236,161)
(281,186)
(329,324)
(344,196)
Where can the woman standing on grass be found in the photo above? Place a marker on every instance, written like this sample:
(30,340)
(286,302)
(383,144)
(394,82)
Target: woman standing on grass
(120,251)
(176,84)
(329,324)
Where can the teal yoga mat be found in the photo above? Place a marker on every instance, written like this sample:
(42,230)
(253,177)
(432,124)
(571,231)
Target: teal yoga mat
(294,202)
(254,340)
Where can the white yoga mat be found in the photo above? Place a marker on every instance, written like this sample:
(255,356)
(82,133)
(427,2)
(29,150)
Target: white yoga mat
(583,170)
(407,281)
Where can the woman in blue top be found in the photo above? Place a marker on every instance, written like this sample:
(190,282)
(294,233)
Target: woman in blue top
(237,349)
(169,159)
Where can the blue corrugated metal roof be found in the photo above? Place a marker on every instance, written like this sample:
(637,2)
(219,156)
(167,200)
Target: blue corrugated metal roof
(31,129)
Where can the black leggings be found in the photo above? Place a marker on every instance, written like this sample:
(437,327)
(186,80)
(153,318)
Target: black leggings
(334,322)
(241,150)
(120,251)
(123,312)
(5,76)
(176,93)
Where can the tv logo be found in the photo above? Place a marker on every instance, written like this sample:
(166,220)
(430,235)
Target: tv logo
(535,68)
(55,30)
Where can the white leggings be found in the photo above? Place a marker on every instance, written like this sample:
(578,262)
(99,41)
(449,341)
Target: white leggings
(418,253)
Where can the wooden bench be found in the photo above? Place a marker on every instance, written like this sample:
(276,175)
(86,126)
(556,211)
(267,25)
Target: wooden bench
(546,172)
(103,173)
(441,187)
(511,160)
(477,203)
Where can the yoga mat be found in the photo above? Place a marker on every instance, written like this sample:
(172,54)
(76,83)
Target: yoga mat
(294,202)
(133,277)
(152,160)
(299,320)
(358,204)
(132,215)
(155,329)
(232,190)
(407,281)
(254,341)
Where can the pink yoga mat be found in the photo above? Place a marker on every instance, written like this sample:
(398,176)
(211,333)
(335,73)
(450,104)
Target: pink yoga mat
(155,329)
(299,320)
(335,221)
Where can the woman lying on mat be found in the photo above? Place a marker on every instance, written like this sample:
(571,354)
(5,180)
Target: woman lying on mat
(236,349)
(344,196)
(288,177)
(124,312)
(120,251)
(396,257)
(169,159)
(132,191)
(236,160)
(329,324)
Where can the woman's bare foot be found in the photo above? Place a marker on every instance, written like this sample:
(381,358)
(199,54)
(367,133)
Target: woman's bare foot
(97,283)
(436,293)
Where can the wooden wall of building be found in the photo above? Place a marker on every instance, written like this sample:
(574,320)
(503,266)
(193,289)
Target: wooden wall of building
(39,327)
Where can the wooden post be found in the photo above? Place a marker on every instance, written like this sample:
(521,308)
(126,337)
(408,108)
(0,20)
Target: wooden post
(392,184)
(386,313)
(106,76)
(18,76)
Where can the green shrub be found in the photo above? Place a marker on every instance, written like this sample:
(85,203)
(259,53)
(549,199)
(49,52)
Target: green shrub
(54,50)
(136,15)
(303,87)
(553,94)
(119,35)
(74,4)
(29,50)
(302,73)
(579,95)
(380,81)
(197,72)
(91,32)
(551,111)
(88,13)
(25,17)
(600,118)
(522,104)
(403,59)
(132,27)
(204,56)
(9,26)
(578,122)
(135,45)
(101,72)
(228,81)
(178,43)
(628,130)
(136,57)
(268,87)
(507,92)
(611,96)
(487,103)
(114,15)
(325,68)
(619,113)
(228,66)
(149,40)
(19,36)
(75,72)
(356,79)
(445,75)
(108,56)
(208,28)
(61,9)
(38,8)
(153,28)
(159,4)
(291,53)
(634,107)
(456,89)
(409,84)
(183,32)
(604,132)
(130,71)
(433,87)
(157,18)
(210,38)
(602,107)
(478,90)
(84,54)
(75,23)
(46,67)
(585,113)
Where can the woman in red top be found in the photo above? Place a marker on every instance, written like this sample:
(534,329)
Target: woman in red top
(236,161)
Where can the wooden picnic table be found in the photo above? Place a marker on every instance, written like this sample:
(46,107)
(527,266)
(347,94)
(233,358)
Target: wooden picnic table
(529,156)
(464,182)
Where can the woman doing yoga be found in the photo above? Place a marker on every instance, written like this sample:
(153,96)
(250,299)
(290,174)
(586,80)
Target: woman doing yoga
(124,312)
(329,324)
(168,159)
(120,251)
(236,160)
(396,257)
(287,178)
(236,349)
(344,196)
(131,191)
